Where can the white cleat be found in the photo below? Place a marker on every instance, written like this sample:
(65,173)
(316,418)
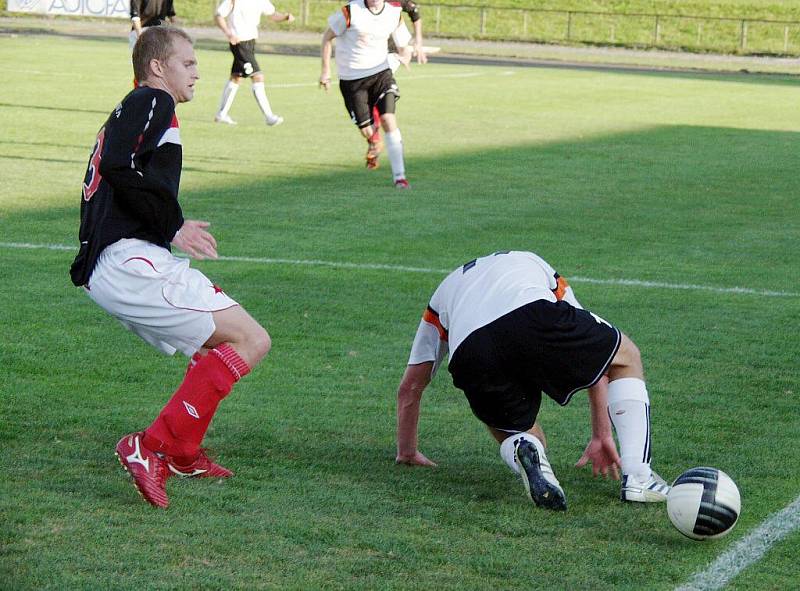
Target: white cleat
(274,120)
(224,119)
(538,477)
(653,490)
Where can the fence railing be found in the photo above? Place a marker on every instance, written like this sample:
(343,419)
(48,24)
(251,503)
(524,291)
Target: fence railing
(646,30)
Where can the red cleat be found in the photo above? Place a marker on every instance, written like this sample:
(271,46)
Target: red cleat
(401,184)
(373,151)
(202,467)
(149,472)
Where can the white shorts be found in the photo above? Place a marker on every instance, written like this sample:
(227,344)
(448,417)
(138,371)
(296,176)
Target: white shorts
(157,295)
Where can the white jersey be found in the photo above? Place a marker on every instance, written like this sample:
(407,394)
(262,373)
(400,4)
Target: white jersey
(480,292)
(362,38)
(244,16)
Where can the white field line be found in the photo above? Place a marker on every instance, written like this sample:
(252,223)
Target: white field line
(746,551)
(408,269)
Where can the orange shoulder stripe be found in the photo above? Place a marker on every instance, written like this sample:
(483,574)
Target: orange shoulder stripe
(432,318)
(561,287)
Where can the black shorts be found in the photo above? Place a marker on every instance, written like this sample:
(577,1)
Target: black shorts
(364,93)
(554,348)
(244,58)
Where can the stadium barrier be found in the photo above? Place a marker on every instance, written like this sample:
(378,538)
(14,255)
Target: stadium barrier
(638,30)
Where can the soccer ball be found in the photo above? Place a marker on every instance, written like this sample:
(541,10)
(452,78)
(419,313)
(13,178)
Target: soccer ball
(703,503)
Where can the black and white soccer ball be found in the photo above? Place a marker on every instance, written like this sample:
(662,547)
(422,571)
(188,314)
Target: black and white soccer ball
(704,503)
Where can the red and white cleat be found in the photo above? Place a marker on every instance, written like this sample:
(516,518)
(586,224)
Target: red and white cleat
(401,184)
(202,467)
(148,470)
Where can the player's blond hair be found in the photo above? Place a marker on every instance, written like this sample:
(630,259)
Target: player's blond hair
(155,43)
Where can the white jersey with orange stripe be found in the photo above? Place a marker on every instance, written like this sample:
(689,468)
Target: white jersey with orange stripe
(480,292)
(362,38)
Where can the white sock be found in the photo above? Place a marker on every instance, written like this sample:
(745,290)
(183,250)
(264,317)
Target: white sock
(394,148)
(629,408)
(228,94)
(508,446)
(262,100)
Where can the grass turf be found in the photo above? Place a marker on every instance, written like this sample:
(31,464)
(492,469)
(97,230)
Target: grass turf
(674,179)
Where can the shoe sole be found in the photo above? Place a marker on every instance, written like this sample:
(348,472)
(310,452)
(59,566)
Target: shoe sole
(136,484)
(540,491)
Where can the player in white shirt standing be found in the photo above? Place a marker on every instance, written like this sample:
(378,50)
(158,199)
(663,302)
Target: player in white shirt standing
(239,20)
(363,28)
(514,329)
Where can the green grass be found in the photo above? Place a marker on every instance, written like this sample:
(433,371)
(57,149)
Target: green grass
(665,178)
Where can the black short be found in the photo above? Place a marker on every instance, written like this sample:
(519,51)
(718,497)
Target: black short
(554,348)
(364,93)
(244,58)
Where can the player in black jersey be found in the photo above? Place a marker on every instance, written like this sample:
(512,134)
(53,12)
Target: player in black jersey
(149,13)
(130,217)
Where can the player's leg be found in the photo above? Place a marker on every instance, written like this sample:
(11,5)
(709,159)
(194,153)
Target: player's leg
(394,139)
(356,95)
(228,95)
(508,408)
(237,344)
(260,94)
(629,409)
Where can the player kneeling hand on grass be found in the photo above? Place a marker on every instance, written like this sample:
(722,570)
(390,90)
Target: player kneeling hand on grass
(514,329)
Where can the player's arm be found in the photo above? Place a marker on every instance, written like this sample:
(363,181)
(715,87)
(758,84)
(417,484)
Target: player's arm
(325,54)
(412,10)
(409,397)
(280,17)
(220,16)
(601,450)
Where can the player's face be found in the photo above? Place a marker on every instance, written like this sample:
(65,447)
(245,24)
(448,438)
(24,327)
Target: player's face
(180,71)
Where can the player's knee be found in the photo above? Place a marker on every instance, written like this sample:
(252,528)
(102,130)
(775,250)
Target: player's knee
(628,361)
(259,342)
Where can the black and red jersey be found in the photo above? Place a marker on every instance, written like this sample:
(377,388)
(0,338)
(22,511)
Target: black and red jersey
(131,185)
(152,12)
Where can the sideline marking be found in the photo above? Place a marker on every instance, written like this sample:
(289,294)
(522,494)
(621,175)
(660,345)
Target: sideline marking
(407,269)
(746,551)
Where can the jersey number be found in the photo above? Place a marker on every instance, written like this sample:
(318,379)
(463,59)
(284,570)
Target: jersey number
(93,178)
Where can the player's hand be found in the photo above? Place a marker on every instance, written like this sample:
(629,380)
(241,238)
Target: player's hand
(194,240)
(602,453)
(404,57)
(289,17)
(325,82)
(417,459)
(233,39)
(421,57)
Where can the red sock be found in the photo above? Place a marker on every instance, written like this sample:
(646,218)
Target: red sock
(193,361)
(180,427)
(376,123)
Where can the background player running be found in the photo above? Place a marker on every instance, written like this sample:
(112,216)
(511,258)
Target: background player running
(363,28)
(239,20)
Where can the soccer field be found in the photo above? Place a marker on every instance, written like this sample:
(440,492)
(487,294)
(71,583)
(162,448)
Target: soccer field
(670,202)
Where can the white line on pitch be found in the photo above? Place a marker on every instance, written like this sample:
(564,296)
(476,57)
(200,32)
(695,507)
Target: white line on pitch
(408,269)
(746,551)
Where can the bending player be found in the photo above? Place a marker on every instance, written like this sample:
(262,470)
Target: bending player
(514,329)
